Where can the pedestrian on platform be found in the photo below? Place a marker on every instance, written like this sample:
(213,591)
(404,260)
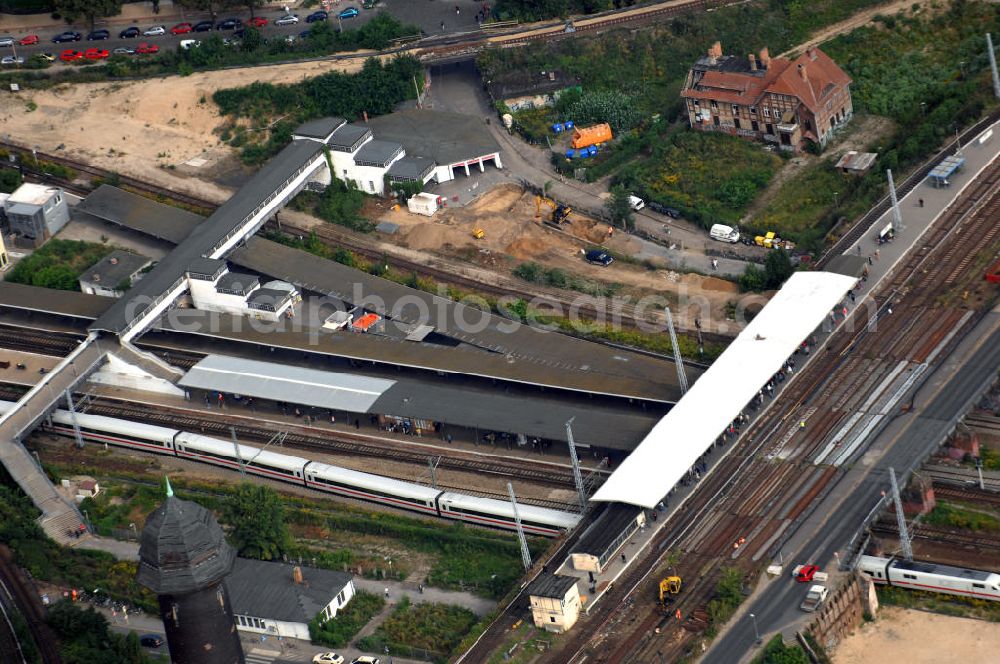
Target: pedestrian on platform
(876,254)
(870,261)
(623,559)
(920,202)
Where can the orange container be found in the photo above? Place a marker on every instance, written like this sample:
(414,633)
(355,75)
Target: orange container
(586,136)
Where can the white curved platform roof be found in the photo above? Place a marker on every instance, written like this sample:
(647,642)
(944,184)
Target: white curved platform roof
(714,401)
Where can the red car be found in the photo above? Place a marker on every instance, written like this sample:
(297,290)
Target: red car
(806,574)
(96,53)
(28,41)
(258,21)
(181,29)
(69,55)
(145,48)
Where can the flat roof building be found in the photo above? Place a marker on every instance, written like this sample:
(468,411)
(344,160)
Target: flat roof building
(35,212)
(114,274)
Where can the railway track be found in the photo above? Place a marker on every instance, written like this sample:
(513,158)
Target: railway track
(18,594)
(969,496)
(952,476)
(32,341)
(949,536)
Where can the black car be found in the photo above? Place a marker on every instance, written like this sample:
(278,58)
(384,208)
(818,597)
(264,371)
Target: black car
(68,36)
(229,24)
(317,16)
(599,257)
(663,209)
(98,35)
(129,33)
(150,641)
(305,34)
(204,26)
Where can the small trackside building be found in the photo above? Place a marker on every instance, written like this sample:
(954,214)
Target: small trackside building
(35,212)
(114,274)
(555,602)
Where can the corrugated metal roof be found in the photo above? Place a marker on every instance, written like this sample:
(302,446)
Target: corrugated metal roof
(279,382)
(733,380)
(124,208)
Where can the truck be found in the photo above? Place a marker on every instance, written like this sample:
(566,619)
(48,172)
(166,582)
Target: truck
(816,596)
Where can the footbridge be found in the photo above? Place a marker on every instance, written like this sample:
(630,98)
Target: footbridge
(230,225)
(59,516)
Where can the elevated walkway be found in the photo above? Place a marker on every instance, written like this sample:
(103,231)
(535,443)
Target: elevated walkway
(59,516)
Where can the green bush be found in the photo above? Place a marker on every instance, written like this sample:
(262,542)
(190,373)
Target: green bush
(10,179)
(951,515)
(58,264)
(437,628)
(85,636)
(728,596)
(340,630)
(776,652)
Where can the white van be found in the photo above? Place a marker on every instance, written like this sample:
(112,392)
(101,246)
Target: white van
(636,203)
(724,233)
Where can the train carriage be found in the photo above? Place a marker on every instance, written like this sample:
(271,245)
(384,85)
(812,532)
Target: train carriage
(255,460)
(932,577)
(112,431)
(356,484)
(500,514)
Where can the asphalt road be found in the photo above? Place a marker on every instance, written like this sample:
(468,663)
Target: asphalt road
(905,444)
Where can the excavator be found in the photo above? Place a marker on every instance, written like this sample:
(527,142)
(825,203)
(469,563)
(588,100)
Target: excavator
(560,213)
(670,587)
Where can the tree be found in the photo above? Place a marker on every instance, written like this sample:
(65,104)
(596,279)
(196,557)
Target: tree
(777,268)
(10,180)
(252,39)
(258,522)
(619,208)
(752,279)
(90,9)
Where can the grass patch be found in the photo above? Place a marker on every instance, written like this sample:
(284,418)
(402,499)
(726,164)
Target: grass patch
(950,515)
(776,652)
(58,264)
(728,597)
(338,632)
(949,605)
(557,278)
(424,631)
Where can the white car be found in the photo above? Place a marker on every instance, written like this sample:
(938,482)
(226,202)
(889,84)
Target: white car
(6,41)
(188,44)
(155,31)
(287,19)
(328,658)
(11,60)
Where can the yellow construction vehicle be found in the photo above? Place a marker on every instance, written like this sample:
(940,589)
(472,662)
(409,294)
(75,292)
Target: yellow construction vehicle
(669,588)
(478,233)
(560,213)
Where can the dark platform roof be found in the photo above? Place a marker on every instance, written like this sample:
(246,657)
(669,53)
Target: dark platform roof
(848,265)
(268,590)
(412,168)
(237,283)
(605,532)
(183,549)
(51,301)
(377,151)
(208,267)
(345,138)
(446,138)
(139,213)
(268,296)
(319,128)
(114,268)
(207,236)
(522,82)
(549,585)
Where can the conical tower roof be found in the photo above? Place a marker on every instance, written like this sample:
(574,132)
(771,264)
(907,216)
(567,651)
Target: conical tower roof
(183,548)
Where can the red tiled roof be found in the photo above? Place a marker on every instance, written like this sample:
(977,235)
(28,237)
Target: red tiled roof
(736,87)
(823,74)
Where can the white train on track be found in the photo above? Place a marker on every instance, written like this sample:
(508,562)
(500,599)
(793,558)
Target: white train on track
(312,474)
(932,577)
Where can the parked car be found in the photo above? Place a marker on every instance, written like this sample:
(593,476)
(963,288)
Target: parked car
(147,49)
(181,29)
(129,33)
(48,57)
(365,659)
(123,50)
(30,40)
(229,24)
(204,26)
(99,35)
(9,60)
(187,44)
(150,641)
(68,36)
(154,31)
(69,55)
(6,41)
(599,257)
(96,53)
(317,16)
(806,574)
(287,19)
(663,209)
(350,12)
(305,34)
(258,21)
(328,658)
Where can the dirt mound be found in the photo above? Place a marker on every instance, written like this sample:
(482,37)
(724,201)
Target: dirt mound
(709,283)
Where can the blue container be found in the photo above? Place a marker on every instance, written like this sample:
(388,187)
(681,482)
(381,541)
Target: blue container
(584,153)
(592,150)
(568,124)
(557,128)
(570,154)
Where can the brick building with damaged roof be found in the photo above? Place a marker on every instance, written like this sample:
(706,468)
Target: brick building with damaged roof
(782,102)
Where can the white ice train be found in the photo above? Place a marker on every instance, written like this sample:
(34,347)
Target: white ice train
(312,474)
(932,577)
